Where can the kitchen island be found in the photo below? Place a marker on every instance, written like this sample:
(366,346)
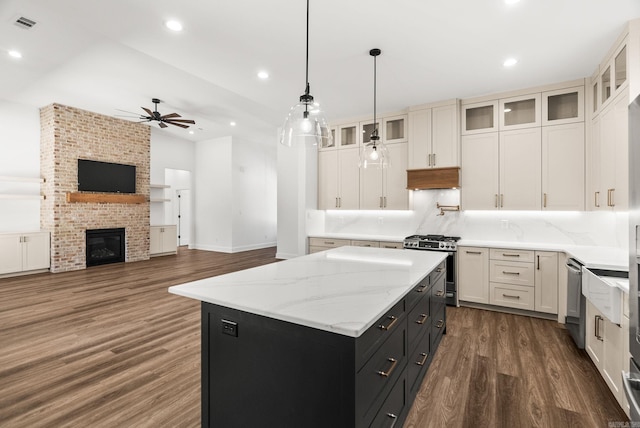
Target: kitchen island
(340,338)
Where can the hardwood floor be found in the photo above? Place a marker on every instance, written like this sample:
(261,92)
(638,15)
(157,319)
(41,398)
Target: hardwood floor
(110,347)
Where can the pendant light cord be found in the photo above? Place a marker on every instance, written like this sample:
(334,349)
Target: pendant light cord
(307,58)
(375,126)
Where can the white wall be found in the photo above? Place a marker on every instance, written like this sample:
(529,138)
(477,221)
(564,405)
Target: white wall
(19,156)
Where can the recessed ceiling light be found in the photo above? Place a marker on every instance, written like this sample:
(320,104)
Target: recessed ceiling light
(511,1)
(191,132)
(173,25)
(15,54)
(263,75)
(510,62)
(232,123)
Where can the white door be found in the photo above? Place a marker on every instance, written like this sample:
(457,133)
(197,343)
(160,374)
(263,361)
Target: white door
(395,193)
(520,170)
(479,172)
(10,253)
(36,251)
(445,136)
(183,216)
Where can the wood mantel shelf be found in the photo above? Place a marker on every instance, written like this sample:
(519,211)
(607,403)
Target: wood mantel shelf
(112,198)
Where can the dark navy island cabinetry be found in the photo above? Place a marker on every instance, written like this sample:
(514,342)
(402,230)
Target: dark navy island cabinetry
(261,371)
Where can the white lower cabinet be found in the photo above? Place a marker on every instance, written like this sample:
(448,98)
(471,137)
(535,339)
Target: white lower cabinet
(23,252)
(163,240)
(513,278)
(605,344)
(473,274)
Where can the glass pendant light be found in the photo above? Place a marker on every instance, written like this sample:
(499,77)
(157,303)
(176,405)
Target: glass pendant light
(374,154)
(305,119)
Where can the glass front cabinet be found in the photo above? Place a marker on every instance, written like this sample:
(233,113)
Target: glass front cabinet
(563,106)
(479,117)
(348,135)
(519,112)
(394,129)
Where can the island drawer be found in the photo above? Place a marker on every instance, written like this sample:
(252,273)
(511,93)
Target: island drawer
(418,292)
(375,244)
(393,408)
(371,339)
(418,321)
(439,323)
(512,296)
(516,273)
(512,255)
(440,270)
(418,363)
(377,376)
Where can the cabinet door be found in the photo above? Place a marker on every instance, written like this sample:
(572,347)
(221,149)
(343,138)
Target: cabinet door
(612,360)
(36,251)
(348,135)
(594,335)
(595,199)
(520,112)
(348,179)
(563,167)
(479,118)
(395,194)
(473,274)
(169,239)
(155,240)
(366,128)
(620,195)
(479,171)
(328,180)
(371,192)
(394,129)
(546,282)
(444,136)
(563,106)
(520,173)
(420,139)
(607,156)
(10,253)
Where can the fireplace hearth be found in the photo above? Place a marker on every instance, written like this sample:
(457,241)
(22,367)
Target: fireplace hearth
(105,246)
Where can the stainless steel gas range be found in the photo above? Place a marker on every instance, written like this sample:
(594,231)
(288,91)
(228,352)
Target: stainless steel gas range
(439,243)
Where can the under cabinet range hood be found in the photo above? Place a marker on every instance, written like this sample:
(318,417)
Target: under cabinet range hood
(433,178)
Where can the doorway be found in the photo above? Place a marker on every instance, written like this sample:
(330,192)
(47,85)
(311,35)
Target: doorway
(179,210)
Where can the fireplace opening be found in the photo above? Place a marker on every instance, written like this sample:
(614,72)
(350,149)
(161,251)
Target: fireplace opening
(105,246)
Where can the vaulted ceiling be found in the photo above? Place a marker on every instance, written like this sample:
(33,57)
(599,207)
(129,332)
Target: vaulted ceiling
(117,54)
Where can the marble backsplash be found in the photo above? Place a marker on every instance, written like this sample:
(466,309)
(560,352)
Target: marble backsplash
(566,227)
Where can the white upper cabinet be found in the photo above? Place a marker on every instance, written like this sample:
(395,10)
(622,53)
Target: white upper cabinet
(520,112)
(366,128)
(520,174)
(563,106)
(326,144)
(479,117)
(338,179)
(348,135)
(434,137)
(479,186)
(394,129)
(386,188)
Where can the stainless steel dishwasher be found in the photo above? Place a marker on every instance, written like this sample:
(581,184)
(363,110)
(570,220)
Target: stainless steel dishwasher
(576,303)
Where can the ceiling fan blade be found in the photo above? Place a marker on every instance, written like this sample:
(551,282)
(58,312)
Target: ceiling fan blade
(178,124)
(182,121)
(149,112)
(162,125)
(170,115)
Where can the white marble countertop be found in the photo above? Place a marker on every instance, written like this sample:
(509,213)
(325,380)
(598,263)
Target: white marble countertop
(359,237)
(343,290)
(609,258)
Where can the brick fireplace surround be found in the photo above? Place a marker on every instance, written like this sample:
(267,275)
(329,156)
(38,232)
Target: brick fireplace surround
(67,134)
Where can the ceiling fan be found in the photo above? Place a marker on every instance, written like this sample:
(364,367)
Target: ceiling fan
(163,120)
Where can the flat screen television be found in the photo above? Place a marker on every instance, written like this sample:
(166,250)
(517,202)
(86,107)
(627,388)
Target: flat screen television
(95,176)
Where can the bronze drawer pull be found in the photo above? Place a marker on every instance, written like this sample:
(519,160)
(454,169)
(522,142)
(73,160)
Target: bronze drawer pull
(510,273)
(393,362)
(439,269)
(421,288)
(510,296)
(440,324)
(424,359)
(388,327)
(473,252)
(510,255)
(329,243)
(395,419)
(440,293)
(422,319)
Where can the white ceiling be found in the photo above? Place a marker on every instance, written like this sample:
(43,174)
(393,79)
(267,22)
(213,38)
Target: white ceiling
(116,54)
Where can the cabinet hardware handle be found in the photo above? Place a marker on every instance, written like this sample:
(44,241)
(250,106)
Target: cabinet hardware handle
(613,194)
(496,201)
(439,270)
(501,200)
(510,255)
(395,419)
(596,202)
(440,293)
(510,273)
(429,159)
(388,327)
(434,159)
(421,288)
(473,252)
(440,324)
(538,262)
(424,359)
(510,296)
(393,362)
(336,202)
(597,327)
(380,203)
(385,202)
(608,197)
(545,201)
(329,243)
(422,319)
